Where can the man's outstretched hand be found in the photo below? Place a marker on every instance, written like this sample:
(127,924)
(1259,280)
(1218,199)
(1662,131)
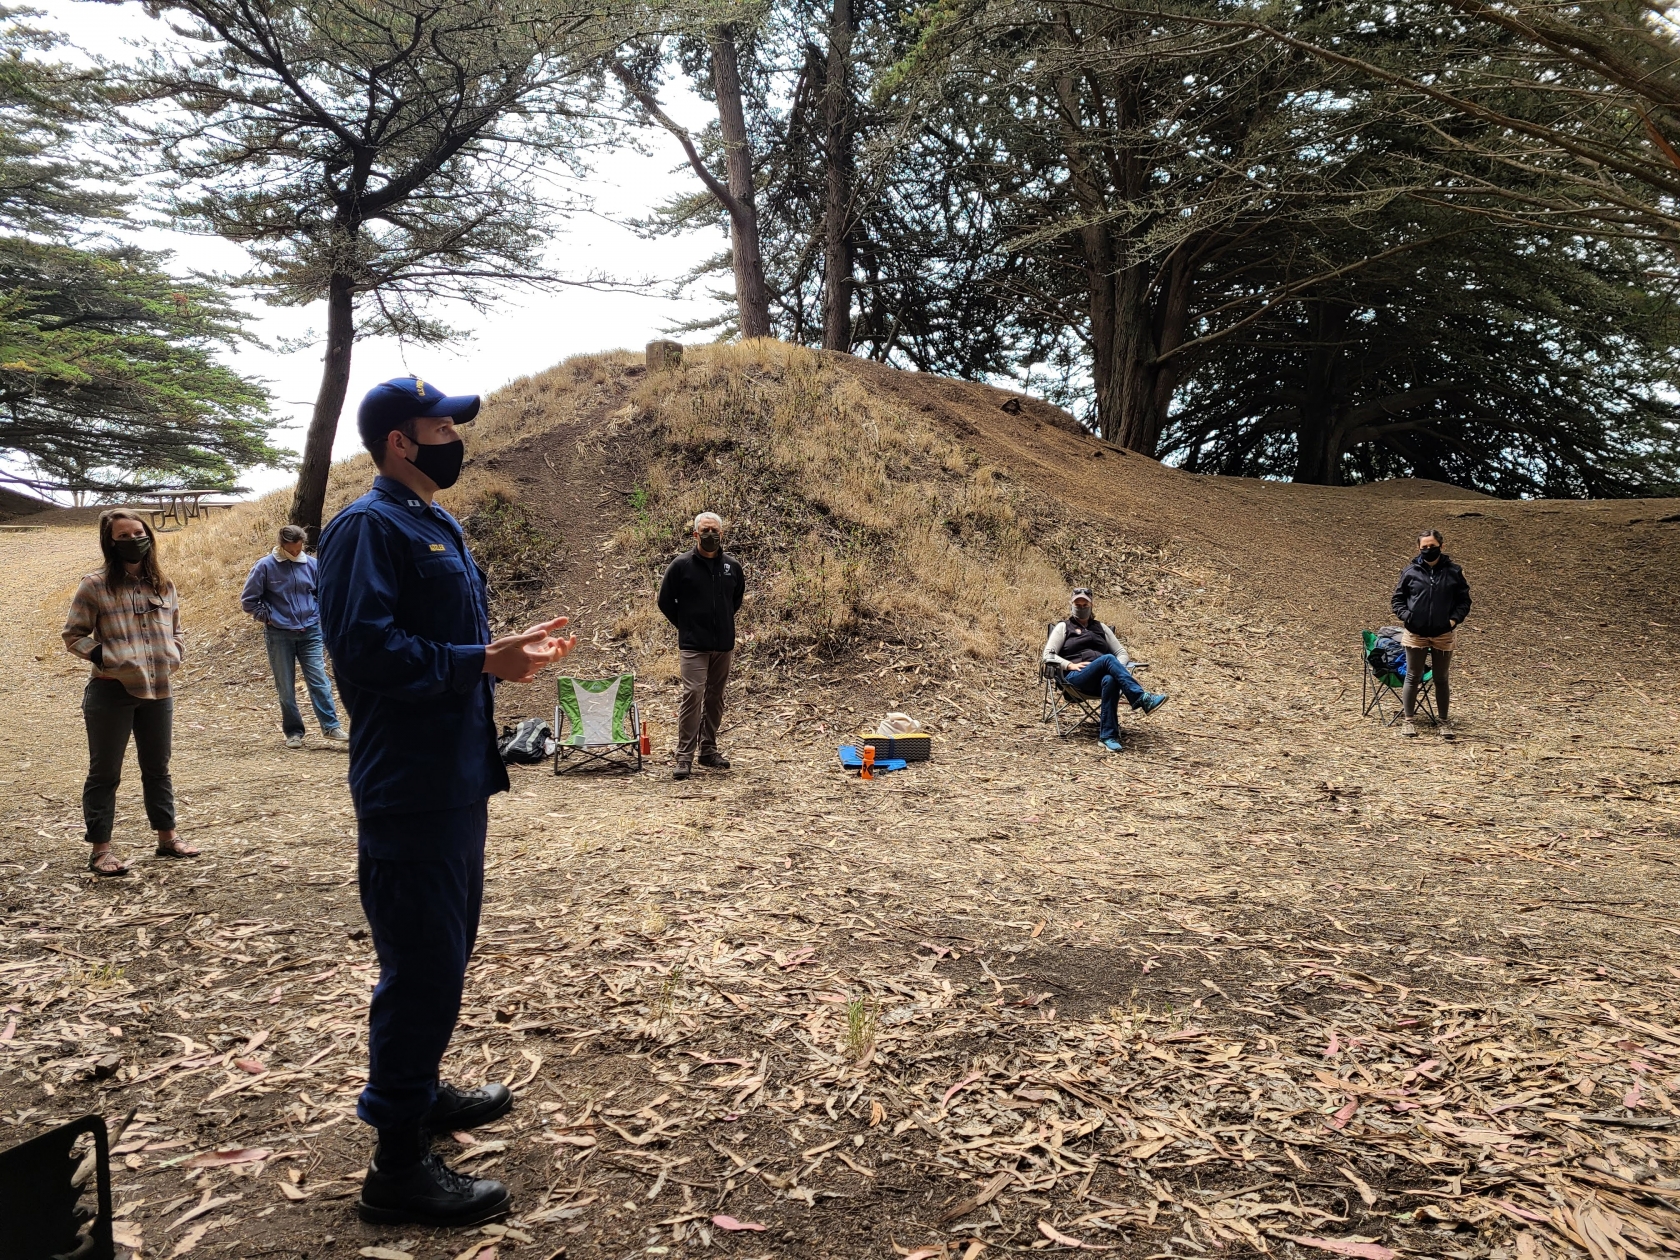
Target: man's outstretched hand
(521,657)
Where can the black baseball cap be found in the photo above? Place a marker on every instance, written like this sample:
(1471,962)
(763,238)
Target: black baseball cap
(388,406)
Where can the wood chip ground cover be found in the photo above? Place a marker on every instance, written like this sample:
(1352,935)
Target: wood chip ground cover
(1271,982)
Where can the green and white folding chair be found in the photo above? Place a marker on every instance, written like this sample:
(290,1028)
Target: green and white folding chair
(597,722)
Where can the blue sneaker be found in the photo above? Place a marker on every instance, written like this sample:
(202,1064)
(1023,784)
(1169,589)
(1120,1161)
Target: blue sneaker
(1113,745)
(1152,702)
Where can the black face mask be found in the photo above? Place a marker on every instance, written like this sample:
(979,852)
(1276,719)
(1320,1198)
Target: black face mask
(441,461)
(710,541)
(132,550)
(1431,554)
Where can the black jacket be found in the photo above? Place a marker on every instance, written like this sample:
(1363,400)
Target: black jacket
(1431,601)
(700,597)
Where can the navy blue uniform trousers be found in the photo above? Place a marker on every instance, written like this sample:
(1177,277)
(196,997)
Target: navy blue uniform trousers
(422,883)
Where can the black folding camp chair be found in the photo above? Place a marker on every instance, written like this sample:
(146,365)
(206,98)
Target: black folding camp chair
(41,1181)
(1381,687)
(1068,707)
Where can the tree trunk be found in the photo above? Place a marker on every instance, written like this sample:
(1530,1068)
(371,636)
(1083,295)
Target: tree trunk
(752,297)
(1317,437)
(837,227)
(311,495)
(1097,257)
(1134,363)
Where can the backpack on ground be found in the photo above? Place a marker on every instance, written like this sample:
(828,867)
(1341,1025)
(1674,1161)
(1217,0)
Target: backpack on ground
(1386,655)
(528,744)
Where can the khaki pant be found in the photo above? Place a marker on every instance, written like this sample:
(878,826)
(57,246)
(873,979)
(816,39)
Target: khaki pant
(701,710)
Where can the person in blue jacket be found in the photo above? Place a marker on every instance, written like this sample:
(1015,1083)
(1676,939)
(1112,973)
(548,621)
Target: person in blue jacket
(405,615)
(280,593)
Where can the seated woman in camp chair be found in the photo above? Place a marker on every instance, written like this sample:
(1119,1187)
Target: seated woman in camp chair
(1096,664)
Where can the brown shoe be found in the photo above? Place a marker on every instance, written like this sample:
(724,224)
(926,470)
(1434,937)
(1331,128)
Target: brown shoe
(107,864)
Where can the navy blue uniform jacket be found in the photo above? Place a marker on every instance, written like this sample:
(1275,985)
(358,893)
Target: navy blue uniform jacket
(405,616)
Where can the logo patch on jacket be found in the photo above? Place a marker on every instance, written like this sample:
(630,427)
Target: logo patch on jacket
(439,547)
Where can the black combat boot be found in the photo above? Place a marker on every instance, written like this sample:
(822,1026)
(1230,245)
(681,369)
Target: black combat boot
(406,1184)
(467,1108)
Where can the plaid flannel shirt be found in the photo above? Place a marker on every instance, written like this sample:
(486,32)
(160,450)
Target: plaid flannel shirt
(136,629)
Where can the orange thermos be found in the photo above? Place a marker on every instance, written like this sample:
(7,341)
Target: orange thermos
(868,771)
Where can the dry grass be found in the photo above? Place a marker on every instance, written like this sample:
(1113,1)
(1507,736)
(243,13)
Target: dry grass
(857,517)
(209,561)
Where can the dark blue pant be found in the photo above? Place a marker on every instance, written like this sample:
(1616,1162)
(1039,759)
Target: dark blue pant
(422,883)
(1107,677)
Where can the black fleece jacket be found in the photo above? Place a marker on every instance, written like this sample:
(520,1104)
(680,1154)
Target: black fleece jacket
(1431,601)
(700,597)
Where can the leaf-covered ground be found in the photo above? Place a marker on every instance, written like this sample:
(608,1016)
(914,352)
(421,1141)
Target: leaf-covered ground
(1272,981)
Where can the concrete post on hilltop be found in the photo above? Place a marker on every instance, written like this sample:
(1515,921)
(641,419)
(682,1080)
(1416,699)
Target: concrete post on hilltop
(664,354)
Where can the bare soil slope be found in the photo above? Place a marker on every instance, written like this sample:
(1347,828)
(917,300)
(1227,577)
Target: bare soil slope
(1558,585)
(1273,981)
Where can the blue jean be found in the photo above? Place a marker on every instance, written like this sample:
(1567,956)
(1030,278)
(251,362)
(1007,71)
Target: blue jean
(1109,678)
(287,650)
(422,886)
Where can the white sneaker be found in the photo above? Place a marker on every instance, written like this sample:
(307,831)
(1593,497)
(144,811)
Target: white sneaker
(337,735)
(1446,730)
(1408,728)
(294,742)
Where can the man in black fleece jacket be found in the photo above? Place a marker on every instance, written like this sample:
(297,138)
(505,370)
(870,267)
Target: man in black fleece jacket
(700,596)
(1432,599)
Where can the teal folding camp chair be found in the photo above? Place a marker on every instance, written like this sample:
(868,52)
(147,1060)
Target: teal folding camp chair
(597,722)
(1382,685)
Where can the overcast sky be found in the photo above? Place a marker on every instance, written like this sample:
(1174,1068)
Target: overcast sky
(525,334)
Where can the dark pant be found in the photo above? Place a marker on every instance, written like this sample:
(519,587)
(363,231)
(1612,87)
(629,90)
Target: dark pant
(422,883)
(289,650)
(1441,663)
(1107,677)
(111,715)
(700,711)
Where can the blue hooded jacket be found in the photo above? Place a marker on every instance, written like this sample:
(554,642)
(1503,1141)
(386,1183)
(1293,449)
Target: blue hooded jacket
(280,592)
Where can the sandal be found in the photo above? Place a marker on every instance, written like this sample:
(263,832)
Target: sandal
(175,849)
(112,866)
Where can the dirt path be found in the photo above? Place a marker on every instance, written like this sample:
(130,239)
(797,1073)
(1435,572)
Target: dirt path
(1265,977)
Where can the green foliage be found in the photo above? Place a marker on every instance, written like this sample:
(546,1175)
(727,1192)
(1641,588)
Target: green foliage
(1254,259)
(108,375)
(862,1015)
(407,147)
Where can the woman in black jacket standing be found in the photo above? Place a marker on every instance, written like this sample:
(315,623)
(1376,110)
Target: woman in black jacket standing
(1432,599)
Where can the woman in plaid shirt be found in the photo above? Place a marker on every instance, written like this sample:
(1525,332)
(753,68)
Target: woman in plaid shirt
(126,621)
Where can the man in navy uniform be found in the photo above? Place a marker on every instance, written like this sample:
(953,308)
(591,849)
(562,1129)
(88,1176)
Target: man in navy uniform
(405,616)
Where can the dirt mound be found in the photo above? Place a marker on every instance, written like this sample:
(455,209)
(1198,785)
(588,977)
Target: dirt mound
(886,511)
(14,503)
(1319,562)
